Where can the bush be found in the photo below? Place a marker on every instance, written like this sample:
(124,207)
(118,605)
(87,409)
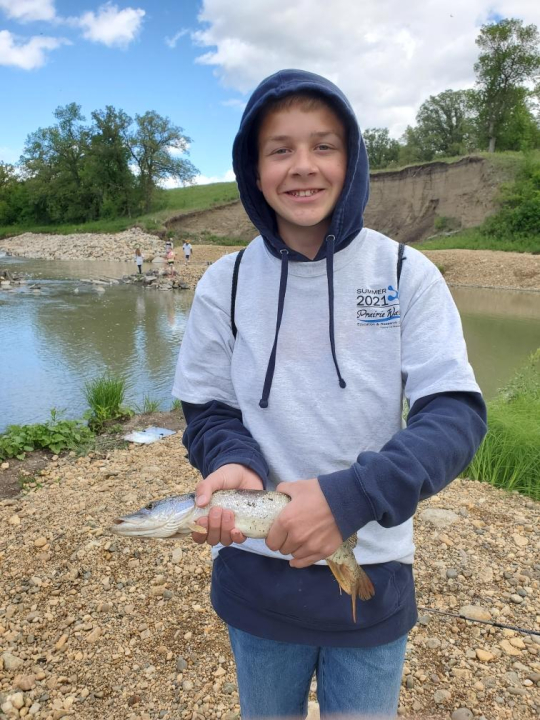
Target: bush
(105,396)
(519,213)
(55,435)
(509,456)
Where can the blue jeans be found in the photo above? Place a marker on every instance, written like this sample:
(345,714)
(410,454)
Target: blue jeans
(274,678)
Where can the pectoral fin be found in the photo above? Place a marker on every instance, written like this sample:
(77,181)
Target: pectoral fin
(193,527)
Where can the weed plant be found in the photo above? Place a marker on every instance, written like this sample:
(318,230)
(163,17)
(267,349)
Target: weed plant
(55,435)
(148,406)
(509,456)
(105,396)
(176,405)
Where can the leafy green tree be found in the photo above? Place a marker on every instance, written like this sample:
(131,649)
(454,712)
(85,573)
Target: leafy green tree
(413,147)
(152,146)
(446,123)
(107,167)
(509,59)
(53,162)
(381,148)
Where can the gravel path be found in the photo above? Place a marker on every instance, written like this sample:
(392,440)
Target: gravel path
(93,626)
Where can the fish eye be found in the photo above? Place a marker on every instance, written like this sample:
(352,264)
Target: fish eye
(150,506)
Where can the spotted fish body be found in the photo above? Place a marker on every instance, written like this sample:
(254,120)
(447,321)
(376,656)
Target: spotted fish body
(254,512)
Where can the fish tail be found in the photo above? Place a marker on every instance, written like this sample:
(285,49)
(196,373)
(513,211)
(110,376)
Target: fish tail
(353,580)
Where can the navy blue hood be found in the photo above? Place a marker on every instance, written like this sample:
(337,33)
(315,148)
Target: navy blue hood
(347,218)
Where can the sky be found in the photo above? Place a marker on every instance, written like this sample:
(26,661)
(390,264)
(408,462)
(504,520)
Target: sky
(196,61)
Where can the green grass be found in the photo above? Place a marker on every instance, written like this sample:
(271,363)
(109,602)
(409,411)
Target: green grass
(509,456)
(474,239)
(105,397)
(176,405)
(148,406)
(170,202)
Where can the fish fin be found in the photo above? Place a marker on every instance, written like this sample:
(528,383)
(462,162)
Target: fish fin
(193,527)
(359,586)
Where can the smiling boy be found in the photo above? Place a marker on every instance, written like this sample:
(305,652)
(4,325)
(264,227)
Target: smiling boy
(302,391)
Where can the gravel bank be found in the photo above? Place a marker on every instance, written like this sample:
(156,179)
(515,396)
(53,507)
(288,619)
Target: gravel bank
(480,268)
(93,626)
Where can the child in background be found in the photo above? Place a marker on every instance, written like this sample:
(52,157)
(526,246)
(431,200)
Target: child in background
(331,340)
(170,261)
(139,260)
(187,251)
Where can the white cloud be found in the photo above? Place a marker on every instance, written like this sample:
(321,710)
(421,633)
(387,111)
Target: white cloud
(28,10)
(110,25)
(235,103)
(388,56)
(27,54)
(171,42)
(229,176)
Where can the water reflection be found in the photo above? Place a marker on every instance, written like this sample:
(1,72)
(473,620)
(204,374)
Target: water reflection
(54,341)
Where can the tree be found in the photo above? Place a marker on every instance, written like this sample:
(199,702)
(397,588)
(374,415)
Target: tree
(151,146)
(446,123)
(382,150)
(108,162)
(509,59)
(53,163)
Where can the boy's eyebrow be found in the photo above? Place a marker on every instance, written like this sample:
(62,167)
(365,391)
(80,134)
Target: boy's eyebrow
(320,134)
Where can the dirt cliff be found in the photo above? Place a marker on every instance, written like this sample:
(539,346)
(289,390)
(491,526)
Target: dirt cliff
(404,204)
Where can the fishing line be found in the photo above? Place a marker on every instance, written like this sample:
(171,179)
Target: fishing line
(484,622)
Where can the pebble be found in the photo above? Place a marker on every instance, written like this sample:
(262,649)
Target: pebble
(484,655)
(462,714)
(475,612)
(438,517)
(441,696)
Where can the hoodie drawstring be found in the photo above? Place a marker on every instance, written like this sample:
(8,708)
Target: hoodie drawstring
(330,240)
(263,402)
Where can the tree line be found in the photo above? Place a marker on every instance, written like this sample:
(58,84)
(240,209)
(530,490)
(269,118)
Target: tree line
(500,113)
(74,172)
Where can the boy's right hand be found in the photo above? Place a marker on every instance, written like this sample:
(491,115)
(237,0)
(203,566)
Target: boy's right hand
(220,523)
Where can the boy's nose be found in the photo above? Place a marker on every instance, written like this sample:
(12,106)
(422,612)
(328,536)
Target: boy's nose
(303,163)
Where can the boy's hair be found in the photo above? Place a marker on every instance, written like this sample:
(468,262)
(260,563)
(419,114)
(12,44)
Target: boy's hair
(306,100)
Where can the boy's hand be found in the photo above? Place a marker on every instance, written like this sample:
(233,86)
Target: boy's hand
(220,523)
(306,528)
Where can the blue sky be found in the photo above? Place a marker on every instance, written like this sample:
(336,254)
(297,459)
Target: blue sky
(197,61)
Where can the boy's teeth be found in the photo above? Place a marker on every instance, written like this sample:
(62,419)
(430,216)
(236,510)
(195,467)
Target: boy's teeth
(303,193)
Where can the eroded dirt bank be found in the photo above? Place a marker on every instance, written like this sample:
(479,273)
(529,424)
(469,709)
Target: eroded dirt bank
(93,626)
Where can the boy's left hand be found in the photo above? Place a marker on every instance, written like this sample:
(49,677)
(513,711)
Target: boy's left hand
(306,528)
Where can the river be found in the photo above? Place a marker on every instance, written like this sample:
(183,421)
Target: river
(54,340)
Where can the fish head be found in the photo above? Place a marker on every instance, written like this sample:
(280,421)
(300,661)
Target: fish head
(163,518)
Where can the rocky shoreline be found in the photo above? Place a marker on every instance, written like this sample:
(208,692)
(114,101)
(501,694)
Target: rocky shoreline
(93,626)
(473,268)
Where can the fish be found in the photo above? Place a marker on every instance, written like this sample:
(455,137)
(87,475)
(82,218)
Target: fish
(254,512)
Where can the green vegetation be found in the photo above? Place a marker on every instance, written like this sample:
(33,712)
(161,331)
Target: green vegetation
(105,396)
(176,405)
(55,435)
(148,406)
(509,456)
(168,203)
(72,172)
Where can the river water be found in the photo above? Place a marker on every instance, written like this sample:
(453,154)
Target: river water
(54,340)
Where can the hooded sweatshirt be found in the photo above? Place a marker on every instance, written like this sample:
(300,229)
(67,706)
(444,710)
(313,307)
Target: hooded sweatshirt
(313,386)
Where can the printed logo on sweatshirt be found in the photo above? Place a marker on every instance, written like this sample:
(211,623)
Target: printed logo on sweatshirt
(377,307)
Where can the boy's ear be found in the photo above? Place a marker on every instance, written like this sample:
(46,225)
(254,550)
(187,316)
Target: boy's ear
(258,179)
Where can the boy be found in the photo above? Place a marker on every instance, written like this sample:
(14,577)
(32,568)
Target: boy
(187,251)
(333,344)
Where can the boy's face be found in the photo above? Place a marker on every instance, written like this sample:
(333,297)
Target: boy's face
(302,166)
